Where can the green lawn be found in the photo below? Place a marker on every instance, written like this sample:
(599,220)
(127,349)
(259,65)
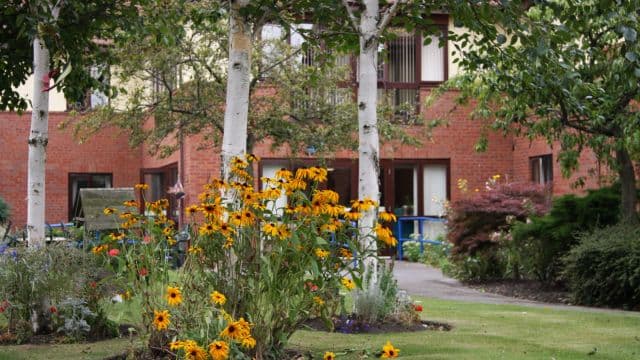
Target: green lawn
(480,332)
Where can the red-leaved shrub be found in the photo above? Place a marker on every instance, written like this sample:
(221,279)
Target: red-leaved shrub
(472,221)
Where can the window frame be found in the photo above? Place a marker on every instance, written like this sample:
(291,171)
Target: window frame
(541,161)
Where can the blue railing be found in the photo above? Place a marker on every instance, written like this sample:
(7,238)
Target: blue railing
(403,235)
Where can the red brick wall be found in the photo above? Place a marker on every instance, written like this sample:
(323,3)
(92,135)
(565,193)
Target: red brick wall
(589,167)
(106,152)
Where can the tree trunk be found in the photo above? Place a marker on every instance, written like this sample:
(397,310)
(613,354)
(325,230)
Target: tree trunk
(234,139)
(369,146)
(629,195)
(38,138)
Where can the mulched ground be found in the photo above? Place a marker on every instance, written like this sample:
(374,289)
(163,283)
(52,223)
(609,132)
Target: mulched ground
(525,289)
(354,326)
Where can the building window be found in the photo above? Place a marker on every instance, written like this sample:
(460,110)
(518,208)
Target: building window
(79,181)
(541,169)
(92,98)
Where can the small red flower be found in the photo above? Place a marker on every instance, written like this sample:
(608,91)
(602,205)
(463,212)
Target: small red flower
(53,309)
(417,307)
(114,252)
(143,272)
(146,239)
(311,286)
(1,309)
(93,284)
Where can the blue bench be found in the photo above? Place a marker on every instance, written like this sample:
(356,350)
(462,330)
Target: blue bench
(62,226)
(421,238)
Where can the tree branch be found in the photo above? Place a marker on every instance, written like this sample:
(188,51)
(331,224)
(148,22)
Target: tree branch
(387,16)
(352,16)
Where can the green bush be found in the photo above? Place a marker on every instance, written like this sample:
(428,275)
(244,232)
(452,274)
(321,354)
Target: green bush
(4,212)
(36,283)
(604,269)
(411,250)
(543,241)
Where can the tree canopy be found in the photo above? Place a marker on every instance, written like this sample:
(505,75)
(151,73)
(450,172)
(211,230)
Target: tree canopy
(565,71)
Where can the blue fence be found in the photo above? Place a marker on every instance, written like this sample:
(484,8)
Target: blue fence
(406,226)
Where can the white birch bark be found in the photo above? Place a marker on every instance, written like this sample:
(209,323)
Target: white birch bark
(369,145)
(38,138)
(234,139)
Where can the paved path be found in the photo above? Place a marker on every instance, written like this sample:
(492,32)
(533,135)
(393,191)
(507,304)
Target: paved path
(422,280)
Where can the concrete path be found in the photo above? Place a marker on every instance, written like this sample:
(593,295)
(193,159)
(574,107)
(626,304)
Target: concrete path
(419,279)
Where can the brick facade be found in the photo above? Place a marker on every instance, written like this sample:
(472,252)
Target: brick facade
(108,152)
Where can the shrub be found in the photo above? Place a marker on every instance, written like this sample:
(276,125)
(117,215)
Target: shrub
(473,221)
(411,250)
(4,212)
(543,241)
(374,305)
(34,283)
(604,269)
(477,225)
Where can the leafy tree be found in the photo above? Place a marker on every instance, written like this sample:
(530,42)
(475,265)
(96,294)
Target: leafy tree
(566,71)
(298,96)
(60,39)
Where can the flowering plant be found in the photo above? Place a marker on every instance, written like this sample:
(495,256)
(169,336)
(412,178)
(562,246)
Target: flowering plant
(254,272)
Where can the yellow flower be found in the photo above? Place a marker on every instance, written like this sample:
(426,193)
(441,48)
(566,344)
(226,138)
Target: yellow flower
(352,215)
(331,227)
(318,300)
(237,330)
(219,350)
(194,250)
(251,157)
(387,216)
(141,186)
(98,249)
(318,174)
(363,205)
(345,253)
(283,232)
(248,342)
(348,283)
(388,351)
(193,351)
(116,236)
(226,229)
(108,211)
(239,163)
(174,296)
(167,231)
(321,253)
(210,210)
(207,229)
(329,356)
(228,242)
(171,241)
(130,203)
(385,235)
(218,298)
(161,319)
(270,229)
(192,210)
(295,184)
(284,174)
(326,196)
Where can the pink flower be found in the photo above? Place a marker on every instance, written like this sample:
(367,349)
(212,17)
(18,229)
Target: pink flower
(146,239)
(114,252)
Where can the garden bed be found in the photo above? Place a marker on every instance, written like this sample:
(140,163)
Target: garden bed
(352,325)
(525,289)
(58,338)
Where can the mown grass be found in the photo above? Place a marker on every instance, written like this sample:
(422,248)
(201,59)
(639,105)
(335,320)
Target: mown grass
(480,332)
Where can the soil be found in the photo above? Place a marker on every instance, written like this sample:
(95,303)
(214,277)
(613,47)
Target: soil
(351,325)
(526,289)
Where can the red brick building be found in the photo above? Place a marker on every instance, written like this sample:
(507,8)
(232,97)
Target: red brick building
(415,179)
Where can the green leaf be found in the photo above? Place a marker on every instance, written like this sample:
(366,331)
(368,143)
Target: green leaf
(630,34)
(631,56)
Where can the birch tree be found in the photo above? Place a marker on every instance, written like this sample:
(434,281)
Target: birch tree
(38,139)
(60,38)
